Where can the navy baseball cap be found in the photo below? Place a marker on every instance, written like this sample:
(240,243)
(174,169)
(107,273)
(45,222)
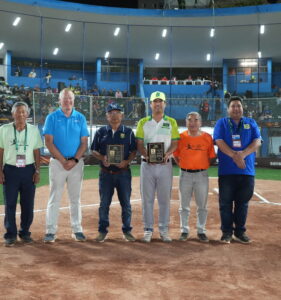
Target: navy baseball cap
(113,106)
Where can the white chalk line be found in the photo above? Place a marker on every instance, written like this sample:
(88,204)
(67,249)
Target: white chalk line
(263,200)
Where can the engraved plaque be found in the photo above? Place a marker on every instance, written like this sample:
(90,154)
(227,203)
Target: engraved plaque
(155,152)
(115,154)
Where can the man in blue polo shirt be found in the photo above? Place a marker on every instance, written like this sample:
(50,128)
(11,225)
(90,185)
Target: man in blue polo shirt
(237,138)
(66,137)
(114,172)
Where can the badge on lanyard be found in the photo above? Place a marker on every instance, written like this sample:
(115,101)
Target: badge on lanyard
(20,161)
(236,141)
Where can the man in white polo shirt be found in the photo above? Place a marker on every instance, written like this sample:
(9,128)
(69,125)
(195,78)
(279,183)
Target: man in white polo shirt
(157,178)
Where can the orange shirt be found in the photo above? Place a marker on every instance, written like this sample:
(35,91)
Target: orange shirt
(195,152)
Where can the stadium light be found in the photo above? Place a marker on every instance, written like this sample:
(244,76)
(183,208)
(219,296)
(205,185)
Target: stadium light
(16,21)
(68,27)
(262,29)
(164,33)
(157,55)
(116,31)
(259,54)
(212,32)
(208,57)
(106,54)
(56,51)
(1,45)
(249,63)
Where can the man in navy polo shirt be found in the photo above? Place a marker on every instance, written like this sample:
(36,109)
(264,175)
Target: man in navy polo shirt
(237,138)
(66,137)
(114,175)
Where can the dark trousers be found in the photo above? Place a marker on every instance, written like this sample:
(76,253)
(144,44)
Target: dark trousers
(107,184)
(18,181)
(235,192)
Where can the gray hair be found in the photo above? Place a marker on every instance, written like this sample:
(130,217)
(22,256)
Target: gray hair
(194,113)
(66,90)
(20,103)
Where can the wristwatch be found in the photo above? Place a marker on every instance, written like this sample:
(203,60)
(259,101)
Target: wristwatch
(37,171)
(75,159)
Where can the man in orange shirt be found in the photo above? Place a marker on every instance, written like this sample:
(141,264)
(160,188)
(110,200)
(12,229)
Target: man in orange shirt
(193,155)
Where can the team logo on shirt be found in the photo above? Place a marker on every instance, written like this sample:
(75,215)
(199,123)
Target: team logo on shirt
(246,126)
(122,135)
(166,125)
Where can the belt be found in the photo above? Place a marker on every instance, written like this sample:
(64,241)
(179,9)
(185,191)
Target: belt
(143,159)
(193,171)
(114,172)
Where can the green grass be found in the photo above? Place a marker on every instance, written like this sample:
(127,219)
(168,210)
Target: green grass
(92,172)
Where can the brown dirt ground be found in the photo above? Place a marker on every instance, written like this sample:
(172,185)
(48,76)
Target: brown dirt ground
(120,270)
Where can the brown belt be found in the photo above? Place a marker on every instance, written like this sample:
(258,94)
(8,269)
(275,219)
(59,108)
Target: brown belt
(114,172)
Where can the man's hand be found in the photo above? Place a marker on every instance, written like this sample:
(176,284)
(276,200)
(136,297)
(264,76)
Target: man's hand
(36,178)
(123,164)
(105,162)
(238,158)
(69,164)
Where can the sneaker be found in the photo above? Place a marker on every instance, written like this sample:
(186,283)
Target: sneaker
(183,236)
(242,238)
(129,237)
(26,239)
(147,236)
(10,242)
(49,238)
(79,237)
(165,237)
(226,238)
(203,238)
(101,237)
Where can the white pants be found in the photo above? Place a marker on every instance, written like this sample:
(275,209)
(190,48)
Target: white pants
(58,176)
(156,178)
(199,184)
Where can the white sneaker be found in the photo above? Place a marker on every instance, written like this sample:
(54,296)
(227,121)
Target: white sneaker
(165,237)
(147,237)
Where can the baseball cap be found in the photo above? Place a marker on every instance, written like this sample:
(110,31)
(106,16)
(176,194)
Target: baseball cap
(113,106)
(157,95)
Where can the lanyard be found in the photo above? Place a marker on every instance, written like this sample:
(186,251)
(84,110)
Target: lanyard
(25,138)
(231,127)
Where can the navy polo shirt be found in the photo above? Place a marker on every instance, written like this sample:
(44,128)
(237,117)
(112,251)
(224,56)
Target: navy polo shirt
(248,131)
(122,136)
(66,131)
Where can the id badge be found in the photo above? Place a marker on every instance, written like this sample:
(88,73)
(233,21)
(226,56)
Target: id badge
(21,161)
(236,141)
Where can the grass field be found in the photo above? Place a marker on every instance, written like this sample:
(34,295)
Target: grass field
(92,172)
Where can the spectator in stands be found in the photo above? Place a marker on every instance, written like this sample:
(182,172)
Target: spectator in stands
(18,72)
(48,76)
(118,94)
(204,110)
(154,78)
(77,89)
(164,78)
(103,92)
(95,92)
(111,93)
(125,93)
(32,74)
(217,108)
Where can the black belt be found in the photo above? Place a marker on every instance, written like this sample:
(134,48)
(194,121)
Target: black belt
(193,171)
(114,172)
(143,159)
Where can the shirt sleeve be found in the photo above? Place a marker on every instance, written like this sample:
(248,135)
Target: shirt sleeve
(96,142)
(175,130)
(84,129)
(38,140)
(211,150)
(133,145)
(219,130)
(48,126)
(139,131)
(255,132)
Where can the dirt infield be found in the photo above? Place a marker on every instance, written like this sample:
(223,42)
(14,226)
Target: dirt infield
(117,269)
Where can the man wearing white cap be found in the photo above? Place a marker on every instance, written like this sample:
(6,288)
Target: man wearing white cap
(157,177)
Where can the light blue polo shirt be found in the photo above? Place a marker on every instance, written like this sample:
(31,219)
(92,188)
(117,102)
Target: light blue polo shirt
(67,132)
(248,131)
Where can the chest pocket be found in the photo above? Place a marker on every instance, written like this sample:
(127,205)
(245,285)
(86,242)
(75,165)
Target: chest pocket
(165,129)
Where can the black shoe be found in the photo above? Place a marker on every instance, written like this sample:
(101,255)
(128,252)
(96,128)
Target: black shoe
(183,237)
(226,238)
(242,238)
(10,242)
(26,239)
(203,238)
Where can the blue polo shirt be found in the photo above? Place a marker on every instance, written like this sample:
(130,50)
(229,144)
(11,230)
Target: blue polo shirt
(122,136)
(67,132)
(248,131)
